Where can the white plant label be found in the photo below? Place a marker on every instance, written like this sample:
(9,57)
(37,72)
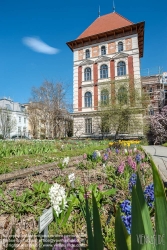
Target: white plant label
(45,219)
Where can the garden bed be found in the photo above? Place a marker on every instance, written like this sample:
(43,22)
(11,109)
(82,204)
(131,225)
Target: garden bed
(107,174)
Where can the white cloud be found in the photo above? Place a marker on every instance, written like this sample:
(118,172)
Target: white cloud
(38,45)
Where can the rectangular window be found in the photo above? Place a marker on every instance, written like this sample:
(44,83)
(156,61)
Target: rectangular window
(88,126)
(24,120)
(19,118)
(24,130)
(19,130)
(105,125)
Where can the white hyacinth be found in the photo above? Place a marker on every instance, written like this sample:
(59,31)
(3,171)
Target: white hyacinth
(97,153)
(135,149)
(65,161)
(58,198)
(126,151)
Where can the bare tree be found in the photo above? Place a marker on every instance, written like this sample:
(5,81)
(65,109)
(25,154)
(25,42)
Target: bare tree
(50,110)
(7,123)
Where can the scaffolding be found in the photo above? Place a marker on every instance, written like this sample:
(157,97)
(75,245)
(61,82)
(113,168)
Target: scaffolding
(156,87)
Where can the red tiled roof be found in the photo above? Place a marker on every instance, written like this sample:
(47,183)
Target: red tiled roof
(105,23)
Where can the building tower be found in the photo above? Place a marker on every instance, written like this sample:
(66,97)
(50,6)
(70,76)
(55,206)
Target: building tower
(108,50)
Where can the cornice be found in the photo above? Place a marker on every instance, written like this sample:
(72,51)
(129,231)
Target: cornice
(137,28)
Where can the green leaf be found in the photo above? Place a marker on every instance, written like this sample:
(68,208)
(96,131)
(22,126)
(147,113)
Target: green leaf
(145,213)
(89,228)
(11,242)
(160,209)
(67,214)
(122,237)
(109,192)
(98,238)
(137,223)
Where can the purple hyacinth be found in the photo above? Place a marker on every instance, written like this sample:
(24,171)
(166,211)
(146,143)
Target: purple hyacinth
(117,151)
(127,220)
(108,150)
(132,181)
(67,243)
(105,157)
(126,207)
(149,194)
(94,156)
(131,163)
(138,158)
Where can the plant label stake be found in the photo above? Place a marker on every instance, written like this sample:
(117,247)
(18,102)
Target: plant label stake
(45,219)
(71,178)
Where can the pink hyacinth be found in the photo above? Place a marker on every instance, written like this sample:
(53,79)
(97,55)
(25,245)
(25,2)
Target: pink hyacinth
(121,167)
(133,166)
(85,156)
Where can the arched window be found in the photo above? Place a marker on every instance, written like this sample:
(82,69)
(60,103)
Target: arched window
(121,69)
(120,46)
(104,96)
(103,50)
(87,53)
(87,74)
(122,95)
(104,71)
(88,100)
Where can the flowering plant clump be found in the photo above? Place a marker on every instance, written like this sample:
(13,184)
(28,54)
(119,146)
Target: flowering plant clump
(132,181)
(58,198)
(96,154)
(149,194)
(124,143)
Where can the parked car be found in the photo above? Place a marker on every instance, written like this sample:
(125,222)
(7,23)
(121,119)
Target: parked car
(20,137)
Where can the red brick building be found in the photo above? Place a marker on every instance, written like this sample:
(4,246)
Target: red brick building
(109,50)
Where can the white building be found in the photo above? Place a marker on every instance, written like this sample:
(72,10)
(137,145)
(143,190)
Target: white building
(109,50)
(16,113)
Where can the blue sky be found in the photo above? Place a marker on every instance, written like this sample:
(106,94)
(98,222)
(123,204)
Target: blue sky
(51,24)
